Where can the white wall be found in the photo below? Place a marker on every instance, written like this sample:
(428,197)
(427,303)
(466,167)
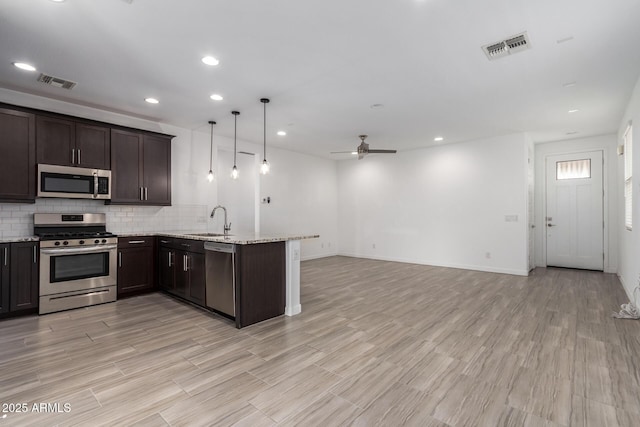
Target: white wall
(606,143)
(303,188)
(442,205)
(629,265)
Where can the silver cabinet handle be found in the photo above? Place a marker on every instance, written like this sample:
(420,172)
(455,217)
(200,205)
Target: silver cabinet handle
(78,156)
(551,225)
(146,193)
(6,256)
(73,156)
(135,242)
(185,262)
(164,241)
(141,197)
(120,259)
(170,259)
(35,255)
(185,245)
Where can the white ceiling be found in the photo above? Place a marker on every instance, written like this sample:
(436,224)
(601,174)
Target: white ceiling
(324,63)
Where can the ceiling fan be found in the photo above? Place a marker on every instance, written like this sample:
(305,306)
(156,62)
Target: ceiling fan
(363,149)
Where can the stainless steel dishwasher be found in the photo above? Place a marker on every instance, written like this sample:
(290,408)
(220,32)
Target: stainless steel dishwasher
(220,260)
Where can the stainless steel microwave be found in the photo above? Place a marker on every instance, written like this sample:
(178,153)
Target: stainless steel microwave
(73,183)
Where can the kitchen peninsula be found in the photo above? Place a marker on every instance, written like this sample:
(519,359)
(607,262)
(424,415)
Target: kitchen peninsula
(263,271)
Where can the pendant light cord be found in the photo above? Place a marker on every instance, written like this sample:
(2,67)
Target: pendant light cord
(264,150)
(211,147)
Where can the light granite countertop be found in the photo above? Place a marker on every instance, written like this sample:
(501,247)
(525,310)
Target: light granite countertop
(19,239)
(238,239)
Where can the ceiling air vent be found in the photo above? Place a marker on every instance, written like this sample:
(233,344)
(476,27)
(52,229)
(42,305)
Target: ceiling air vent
(55,81)
(506,47)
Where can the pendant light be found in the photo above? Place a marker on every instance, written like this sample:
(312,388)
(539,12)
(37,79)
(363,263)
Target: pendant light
(234,170)
(264,168)
(211,176)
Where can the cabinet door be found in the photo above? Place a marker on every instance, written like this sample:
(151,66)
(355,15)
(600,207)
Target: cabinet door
(166,269)
(196,271)
(4,278)
(18,159)
(126,176)
(182,274)
(157,170)
(135,270)
(93,147)
(55,141)
(24,276)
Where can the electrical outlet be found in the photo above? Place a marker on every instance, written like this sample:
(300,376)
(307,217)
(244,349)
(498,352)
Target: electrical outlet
(266,200)
(296,254)
(373,246)
(487,255)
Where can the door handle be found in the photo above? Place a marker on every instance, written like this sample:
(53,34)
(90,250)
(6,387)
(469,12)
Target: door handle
(135,242)
(6,256)
(73,156)
(141,195)
(170,259)
(35,255)
(78,156)
(146,193)
(551,225)
(185,262)
(120,259)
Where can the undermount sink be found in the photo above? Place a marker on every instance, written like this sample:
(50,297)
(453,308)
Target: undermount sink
(209,235)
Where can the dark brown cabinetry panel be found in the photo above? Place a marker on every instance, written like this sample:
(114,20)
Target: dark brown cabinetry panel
(69,143)
(18,159)
(136,265)
(157,169)
(181,268)
(24,276)
(260,282)
(4,278)
(93,145)
(141,168)
(55,141)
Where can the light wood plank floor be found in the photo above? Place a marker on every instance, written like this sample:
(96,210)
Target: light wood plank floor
(378,343)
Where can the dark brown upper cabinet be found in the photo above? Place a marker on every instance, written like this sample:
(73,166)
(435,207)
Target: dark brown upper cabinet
(69,143)
(18,159)
(140,168)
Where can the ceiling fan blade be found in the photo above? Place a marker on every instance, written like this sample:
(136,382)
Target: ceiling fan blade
(383,151)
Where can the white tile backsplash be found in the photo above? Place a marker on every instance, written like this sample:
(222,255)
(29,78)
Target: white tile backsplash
(16,220)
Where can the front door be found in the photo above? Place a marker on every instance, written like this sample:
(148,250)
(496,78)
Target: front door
(574,218)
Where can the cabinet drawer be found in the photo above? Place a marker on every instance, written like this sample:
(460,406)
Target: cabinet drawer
(135,241)
(187,245)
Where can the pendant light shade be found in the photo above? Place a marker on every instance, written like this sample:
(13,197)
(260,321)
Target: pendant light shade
(211,176)
(234,170)
(265,167)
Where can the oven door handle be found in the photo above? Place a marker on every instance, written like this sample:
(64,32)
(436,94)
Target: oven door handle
(95,180)
(72,251)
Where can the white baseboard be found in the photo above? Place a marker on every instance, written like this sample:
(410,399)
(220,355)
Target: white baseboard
(317,256)
(484,268)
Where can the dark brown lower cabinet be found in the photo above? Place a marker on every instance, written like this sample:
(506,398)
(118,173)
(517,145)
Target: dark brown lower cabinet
(136,265)
(260,282)
(181,268)
(24,275)
(4,278)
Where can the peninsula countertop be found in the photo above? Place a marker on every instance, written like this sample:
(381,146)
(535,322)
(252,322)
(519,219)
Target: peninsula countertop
(238,239)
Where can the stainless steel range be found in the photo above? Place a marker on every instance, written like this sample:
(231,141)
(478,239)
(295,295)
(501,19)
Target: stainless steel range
(77,261)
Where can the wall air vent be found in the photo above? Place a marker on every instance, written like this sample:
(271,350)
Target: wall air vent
(55,81)
(512,45)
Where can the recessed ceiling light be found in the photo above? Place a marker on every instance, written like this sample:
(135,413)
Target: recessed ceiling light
(566,39)
(57,1)
(152,100)
(354,152)
(438,139)
(281,133)
(573,111)
(376,106)
(216,97)
(210,60)
(24,66)
(573,132)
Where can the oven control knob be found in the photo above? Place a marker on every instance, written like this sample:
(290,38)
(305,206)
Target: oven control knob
(81,242)
(65,243)
(96,241)
(57,243)
(104,240)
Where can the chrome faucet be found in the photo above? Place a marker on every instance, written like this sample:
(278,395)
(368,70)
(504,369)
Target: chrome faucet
(227,227)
